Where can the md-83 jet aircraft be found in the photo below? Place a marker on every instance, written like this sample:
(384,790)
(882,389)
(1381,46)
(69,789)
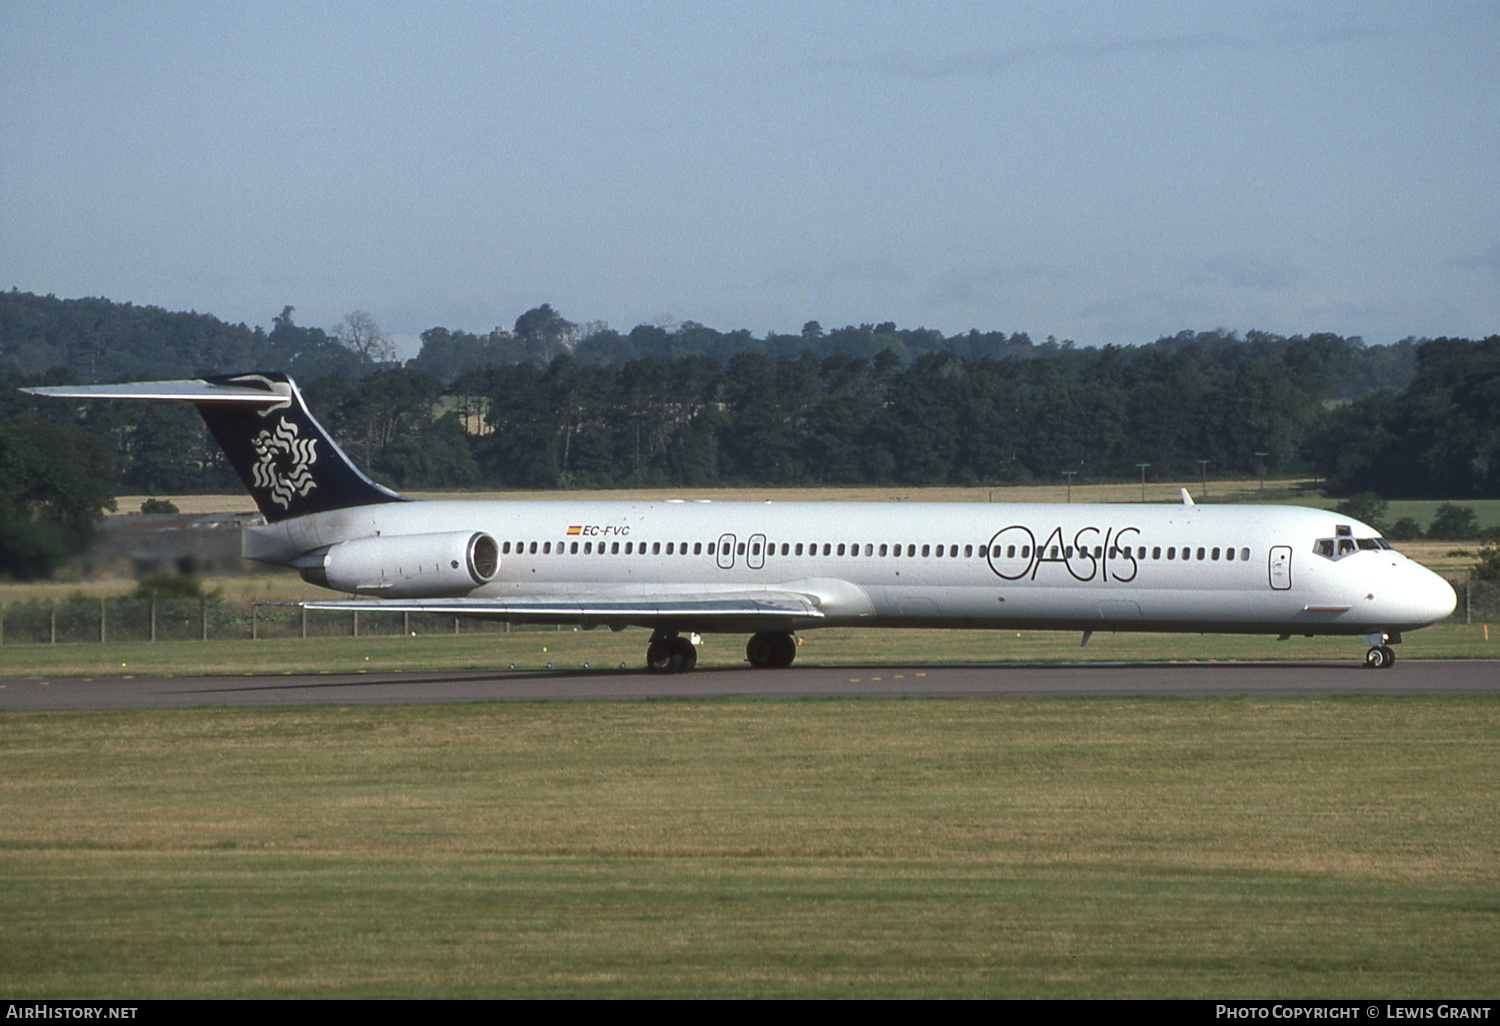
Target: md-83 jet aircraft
(770,570)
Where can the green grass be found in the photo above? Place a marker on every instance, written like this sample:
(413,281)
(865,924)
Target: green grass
(604,650)
(1486,511)
(1003,848)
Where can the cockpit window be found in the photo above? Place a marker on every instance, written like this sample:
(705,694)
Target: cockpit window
(1344,545)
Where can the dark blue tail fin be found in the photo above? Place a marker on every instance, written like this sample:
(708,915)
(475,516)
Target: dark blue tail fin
(287,461)
(282,453)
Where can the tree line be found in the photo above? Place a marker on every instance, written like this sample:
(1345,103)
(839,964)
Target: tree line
(1242,407)
(92,340)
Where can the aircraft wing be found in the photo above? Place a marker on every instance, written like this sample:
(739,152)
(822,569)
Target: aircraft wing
(685,610)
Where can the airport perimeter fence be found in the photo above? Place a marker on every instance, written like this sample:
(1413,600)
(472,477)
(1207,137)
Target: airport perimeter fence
(94,620)
(83,620)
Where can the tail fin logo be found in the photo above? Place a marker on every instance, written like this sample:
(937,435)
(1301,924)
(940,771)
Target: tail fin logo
(282,462)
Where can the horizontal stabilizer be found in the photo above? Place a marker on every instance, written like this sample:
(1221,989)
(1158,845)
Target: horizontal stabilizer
(168,391)
(288,462)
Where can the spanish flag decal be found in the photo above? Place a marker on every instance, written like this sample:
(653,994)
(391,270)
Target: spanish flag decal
(576,529)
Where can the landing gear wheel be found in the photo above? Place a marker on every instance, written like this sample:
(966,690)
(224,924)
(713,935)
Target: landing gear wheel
(661,657)
(1380,658)
(671,655)
(689,652)
(771,650)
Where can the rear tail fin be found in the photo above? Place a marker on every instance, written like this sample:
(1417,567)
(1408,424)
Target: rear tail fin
(286,460)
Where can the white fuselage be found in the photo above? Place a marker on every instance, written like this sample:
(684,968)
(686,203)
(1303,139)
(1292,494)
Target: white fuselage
(1217,568)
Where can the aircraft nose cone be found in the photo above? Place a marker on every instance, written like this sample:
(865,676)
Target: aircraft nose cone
(1429,597)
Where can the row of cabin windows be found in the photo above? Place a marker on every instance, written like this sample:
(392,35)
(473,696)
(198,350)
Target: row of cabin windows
(869,549)
(608,548)
(1204,553)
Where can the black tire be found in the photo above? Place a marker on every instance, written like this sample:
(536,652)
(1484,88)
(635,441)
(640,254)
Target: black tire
(1375,658)
(771,650)
(688,652)
(786,651)
(1390,656)
(664,656)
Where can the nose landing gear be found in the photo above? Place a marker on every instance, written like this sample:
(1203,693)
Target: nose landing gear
(1380,656)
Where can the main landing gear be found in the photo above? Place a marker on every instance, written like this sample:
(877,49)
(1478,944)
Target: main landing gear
(1380,656)
(771,650)
(670,653)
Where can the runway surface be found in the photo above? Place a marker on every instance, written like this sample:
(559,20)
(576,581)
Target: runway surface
(1437,677)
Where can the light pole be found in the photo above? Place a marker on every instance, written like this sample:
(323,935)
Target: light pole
(1203,471)
(1143,467)
(1070,474)
(1261,456)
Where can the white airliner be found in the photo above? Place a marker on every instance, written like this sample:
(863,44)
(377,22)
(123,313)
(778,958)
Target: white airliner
(770,570)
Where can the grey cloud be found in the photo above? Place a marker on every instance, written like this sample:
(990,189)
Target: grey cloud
(1242,272)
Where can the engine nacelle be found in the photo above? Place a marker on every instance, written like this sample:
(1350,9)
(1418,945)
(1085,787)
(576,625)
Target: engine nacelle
(409,565)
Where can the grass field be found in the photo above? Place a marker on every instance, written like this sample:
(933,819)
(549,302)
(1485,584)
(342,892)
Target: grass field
(1002,848)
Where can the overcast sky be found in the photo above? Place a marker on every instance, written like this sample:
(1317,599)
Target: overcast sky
(1106,172)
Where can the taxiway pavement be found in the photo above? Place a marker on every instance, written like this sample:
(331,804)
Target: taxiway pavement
(1448,677)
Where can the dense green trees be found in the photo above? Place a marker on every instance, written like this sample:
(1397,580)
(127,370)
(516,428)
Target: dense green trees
(1439,437)
(57,483)
(552,404)
(97,340)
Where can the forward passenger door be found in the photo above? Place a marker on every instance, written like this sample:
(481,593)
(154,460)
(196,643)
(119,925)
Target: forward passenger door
(1280,567)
